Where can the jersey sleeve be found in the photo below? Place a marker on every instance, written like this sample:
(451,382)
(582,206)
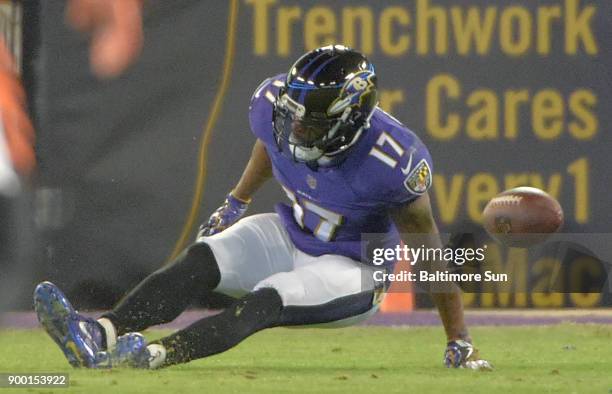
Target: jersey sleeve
(261,107)
(413,175)
(398,168)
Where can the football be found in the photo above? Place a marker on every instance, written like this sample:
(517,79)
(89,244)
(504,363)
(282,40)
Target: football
(522,217)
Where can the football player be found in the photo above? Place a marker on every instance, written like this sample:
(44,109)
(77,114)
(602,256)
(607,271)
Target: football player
(347,167)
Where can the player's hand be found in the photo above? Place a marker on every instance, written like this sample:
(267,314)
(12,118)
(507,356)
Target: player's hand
(116,32)
(462,354)
(226,215)
(15,123)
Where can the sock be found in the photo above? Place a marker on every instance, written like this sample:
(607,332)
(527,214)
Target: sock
(167,292)
(110,334)
(254,312)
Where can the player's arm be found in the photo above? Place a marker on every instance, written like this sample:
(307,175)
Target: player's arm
(257,171)
(416,218)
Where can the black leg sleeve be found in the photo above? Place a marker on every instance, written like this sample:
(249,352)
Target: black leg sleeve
(166,293)
(254,312)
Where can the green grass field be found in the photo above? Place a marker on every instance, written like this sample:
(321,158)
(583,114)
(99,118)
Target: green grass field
(555,359)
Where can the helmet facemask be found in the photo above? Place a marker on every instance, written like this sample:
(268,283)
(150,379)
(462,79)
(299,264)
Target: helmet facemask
(308,138)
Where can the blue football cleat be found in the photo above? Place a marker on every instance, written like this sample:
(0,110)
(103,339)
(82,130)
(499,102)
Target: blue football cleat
(79,337)
(130,351)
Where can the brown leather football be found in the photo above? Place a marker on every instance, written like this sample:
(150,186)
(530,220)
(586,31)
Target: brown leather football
(522,217)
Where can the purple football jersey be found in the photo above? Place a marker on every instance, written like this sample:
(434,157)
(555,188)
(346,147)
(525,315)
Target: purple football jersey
(331,207)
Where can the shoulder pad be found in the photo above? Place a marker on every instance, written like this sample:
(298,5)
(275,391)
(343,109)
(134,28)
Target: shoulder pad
(260,109)
(398,167)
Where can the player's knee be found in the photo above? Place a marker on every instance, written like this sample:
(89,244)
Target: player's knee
(200,254)
(202,262)
(197,264)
